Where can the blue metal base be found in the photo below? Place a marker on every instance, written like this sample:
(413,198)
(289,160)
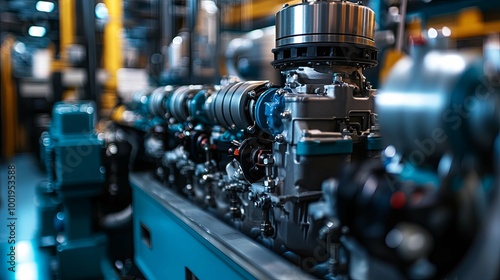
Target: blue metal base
(47,204)
(82,258)
(174,239)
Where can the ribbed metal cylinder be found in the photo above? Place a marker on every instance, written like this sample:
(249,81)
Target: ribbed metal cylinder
(325,21)
(178,106)
(157,100)
(326,32)
(231,106)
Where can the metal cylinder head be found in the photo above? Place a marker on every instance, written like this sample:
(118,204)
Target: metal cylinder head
(329,32)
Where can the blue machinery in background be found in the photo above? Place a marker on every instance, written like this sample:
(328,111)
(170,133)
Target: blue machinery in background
(71,153)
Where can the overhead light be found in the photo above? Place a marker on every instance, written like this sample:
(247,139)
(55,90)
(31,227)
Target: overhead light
(101,11)
(44,6)
(20,47)
(446,31)
(432,33)
(37,31)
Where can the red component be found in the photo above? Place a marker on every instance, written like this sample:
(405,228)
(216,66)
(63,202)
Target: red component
(203,142)
(398,200)
(418,40)
(236,152)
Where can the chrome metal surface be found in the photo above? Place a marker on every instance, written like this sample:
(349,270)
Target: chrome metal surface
(325,21)
(157,99)
(250,52)
(178,105)
(424,105)
(229,106)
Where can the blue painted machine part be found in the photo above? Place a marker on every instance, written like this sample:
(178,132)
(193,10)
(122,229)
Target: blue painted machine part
(229,136)
(419,175)
(191,243)
(72,154)
(374,144)
(268,109)
(196,107)
(47,204)
(315,148)
(82,258)
(73,119)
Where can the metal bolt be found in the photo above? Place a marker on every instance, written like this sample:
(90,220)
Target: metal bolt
(268,160)
(279,138)
(280,92)
(251,196)
(252,94)
(286,115)
(251,129)
(337,78)
(236,143)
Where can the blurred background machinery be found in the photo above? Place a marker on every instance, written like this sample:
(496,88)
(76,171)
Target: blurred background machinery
(187,138)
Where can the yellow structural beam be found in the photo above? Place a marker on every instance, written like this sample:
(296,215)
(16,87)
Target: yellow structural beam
(66,26)
(9,100)
(392,56)
(251,10)
(467,23)
(112,53)
(66,39)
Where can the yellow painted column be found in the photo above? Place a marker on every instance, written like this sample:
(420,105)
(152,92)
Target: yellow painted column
(112,52)
(66,26)
(66,39)
(9,100)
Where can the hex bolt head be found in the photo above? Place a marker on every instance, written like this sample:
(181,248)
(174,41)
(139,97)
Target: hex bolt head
(279,138)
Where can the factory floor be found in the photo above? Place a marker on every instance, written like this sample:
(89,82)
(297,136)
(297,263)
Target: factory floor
(31,262)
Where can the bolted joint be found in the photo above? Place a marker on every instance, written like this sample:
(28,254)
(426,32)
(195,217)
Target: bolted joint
(332,230)
(286,115)
(252,94)
(269,183)
(251,129)
(263,202)
(268,160)
(251,196)
(235,212)
(280,92)
(266,228)
(279,138)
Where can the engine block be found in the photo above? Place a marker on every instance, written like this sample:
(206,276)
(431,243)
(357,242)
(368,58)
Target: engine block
(256,154)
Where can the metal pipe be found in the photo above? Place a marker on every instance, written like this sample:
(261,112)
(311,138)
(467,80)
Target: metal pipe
(401,26)
(192,8)
(117,219)
(112,53)
(91,91)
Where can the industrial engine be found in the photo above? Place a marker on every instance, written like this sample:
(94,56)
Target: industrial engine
(320,176)
(254,153)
